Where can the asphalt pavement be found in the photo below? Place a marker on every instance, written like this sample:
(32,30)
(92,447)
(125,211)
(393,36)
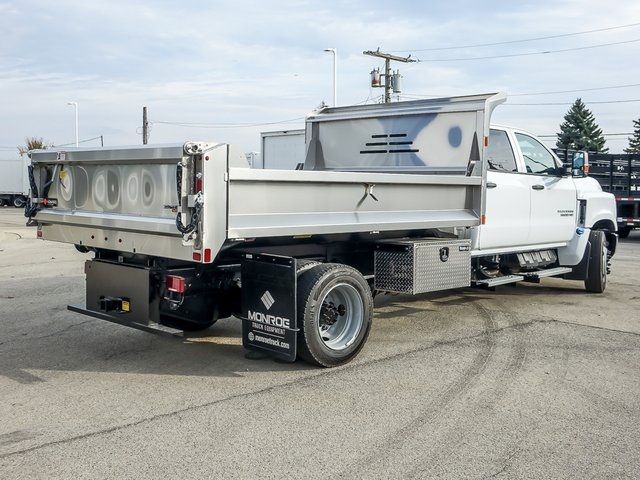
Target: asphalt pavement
(536,381)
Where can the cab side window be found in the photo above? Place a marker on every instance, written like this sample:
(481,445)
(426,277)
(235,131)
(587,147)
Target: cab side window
(537,159)
(500,154)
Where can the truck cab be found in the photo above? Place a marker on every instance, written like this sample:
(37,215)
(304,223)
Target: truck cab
(535,203)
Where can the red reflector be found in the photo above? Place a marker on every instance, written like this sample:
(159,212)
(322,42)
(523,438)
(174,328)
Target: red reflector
(197,256)
(39,234)
(176,284)
(198,184)
(207,255)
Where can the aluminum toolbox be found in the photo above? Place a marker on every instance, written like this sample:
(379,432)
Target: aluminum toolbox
(419,266)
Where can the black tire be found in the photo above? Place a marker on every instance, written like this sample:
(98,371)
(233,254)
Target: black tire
(19,201)
(2,202)
(623,232)
(596,280)
(315,286)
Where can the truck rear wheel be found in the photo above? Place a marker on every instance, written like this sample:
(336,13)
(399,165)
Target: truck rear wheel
(335,309)
(1,202)
(596,280)
(19,201)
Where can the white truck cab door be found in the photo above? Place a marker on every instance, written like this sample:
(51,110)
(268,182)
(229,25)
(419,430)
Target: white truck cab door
(508,200)
(553,197)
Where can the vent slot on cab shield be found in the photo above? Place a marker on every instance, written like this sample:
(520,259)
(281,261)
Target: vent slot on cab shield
(392,144)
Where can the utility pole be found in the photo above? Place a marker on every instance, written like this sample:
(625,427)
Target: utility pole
(391,80)
(101,141)
(145,126)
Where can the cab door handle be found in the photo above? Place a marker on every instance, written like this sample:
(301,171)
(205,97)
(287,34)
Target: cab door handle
(491,185)
(538,187)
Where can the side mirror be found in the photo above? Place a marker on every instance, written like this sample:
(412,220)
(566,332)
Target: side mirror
(580,164)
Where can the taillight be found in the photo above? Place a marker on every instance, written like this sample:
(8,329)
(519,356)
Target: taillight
(175,283)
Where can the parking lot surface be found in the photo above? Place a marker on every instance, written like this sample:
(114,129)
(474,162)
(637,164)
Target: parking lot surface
(536,381)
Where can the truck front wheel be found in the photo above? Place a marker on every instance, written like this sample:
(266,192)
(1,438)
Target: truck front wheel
(596,280)
(335,309)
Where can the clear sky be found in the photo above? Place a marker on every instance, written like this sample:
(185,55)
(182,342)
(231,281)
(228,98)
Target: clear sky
(263,61)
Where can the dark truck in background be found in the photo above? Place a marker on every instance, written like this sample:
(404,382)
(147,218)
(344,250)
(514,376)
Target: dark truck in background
(619,174)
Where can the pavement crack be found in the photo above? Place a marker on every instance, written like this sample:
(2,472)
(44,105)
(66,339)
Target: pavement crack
(506,463)
(597,327)
(63,330)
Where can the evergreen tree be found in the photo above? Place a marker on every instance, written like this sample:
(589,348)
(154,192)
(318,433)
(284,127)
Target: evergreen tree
(580,130)
(634,141)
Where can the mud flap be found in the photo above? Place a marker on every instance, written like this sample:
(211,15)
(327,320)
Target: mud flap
(269,305)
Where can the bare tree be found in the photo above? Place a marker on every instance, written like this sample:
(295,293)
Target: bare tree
(33,143)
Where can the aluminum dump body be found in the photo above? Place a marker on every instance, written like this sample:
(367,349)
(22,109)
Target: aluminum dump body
(428,174)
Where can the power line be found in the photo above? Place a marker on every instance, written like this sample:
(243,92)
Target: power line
(571,103)
(574,91)
(632,100)
(226,125)
(525,54)
(80,141)
(61,144)
(604,134)
(241,125)
(508,42)
(415,95)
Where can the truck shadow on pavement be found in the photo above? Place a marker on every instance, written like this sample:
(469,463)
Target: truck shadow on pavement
(95,346)
(68,342)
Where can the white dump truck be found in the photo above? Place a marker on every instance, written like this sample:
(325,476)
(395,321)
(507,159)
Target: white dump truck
(408,197)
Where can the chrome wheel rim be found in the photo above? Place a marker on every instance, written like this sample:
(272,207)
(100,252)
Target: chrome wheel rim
(340,316)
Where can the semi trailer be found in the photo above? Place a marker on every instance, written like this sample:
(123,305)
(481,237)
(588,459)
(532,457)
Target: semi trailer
(407,197)
(619,174)
(14,184)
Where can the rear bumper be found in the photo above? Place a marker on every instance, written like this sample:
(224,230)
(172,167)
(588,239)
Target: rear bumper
(125,320)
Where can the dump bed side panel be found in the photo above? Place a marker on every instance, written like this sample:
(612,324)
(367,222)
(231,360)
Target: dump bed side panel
(268,203)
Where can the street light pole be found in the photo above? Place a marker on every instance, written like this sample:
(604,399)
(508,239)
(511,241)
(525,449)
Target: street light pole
(335,74)
(75,106)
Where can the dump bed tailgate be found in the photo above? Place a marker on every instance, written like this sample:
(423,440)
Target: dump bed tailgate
(123,199)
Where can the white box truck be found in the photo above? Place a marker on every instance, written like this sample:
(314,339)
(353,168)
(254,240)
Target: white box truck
(14,181)
(282,150)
